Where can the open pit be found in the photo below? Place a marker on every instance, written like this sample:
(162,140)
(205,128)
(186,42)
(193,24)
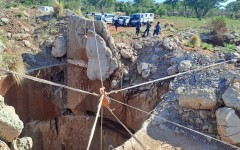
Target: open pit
(56,118)
(52,125)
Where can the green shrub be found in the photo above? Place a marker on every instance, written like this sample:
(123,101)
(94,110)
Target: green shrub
(74,5)
(230,47)
(217,25)
(58,8)
(207,46)
(195,41)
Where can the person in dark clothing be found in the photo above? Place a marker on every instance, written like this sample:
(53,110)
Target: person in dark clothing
(138,25)
(157,29)
(124,22)
(116,24)
(148,26)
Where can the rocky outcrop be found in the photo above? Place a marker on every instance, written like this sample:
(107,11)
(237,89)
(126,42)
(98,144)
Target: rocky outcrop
(66,132)
(107,62)
(24,143)
(198,98)
(10,124)
(231,96)
(59,48)
(228,125)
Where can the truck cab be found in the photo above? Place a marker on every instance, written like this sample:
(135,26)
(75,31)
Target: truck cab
(142,17)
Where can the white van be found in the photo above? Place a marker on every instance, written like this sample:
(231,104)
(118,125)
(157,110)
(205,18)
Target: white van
(46,8)
(143,17)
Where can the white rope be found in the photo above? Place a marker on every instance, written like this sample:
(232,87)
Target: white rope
(167,77)
(95,123)
(49,82)
(176,124)
(100,69)
(138,141)
(99,62)
(101,142)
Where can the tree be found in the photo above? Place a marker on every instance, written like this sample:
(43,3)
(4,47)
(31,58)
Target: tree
(143,5)
(173,3)
(202,7)
(126,7)
(233,6)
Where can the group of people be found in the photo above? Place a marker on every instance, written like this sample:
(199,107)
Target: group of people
(148,26)
(157,29)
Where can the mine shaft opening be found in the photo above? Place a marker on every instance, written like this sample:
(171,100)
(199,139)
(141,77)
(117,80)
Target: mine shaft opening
(52,125)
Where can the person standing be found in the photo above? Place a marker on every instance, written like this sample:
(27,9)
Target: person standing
(138,26)
(157,29)
(148,26)
(116,24)
(124,22)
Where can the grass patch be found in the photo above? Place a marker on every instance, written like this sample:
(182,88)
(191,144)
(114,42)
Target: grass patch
(230,47)
(4,40)
(183,22)
(13,63)
(207,46)
(19,14)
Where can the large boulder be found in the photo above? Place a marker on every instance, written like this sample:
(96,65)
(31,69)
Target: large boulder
(198,98)
(10,124)
(228,125)
(172,70)
(184,65)
(3,146)
(107,62)
(231,96)
(59,48)
(5,21)
(144,69)
(126,53)
(25,143)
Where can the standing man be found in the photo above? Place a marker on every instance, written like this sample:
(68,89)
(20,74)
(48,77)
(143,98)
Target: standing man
(148,26)
(157,29)
(138,25)
(124,22)
(116,24)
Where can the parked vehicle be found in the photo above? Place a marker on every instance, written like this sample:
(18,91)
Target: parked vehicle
(99,17)
(109,18)
(46,8)
(121,20)
(143,17)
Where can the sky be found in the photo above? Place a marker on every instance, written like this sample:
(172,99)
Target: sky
(163,0)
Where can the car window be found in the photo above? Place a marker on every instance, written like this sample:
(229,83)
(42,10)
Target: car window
(151,15)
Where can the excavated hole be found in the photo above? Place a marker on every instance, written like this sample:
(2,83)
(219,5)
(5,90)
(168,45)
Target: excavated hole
(52,126)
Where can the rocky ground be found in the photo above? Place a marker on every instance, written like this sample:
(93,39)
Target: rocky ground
(206,101)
